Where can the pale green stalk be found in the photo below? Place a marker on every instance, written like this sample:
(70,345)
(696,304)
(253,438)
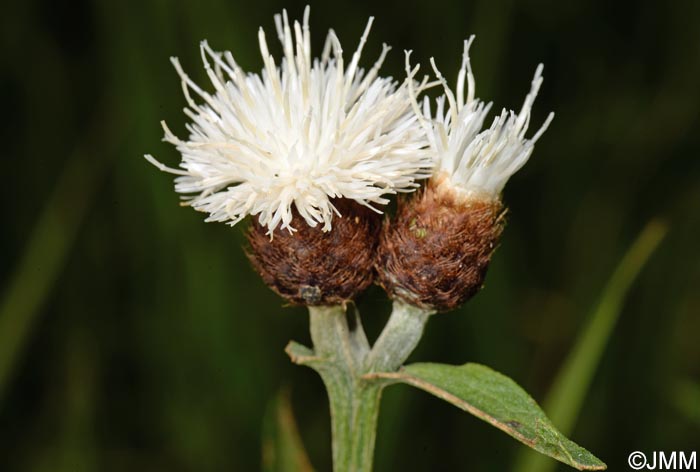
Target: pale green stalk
(342,356)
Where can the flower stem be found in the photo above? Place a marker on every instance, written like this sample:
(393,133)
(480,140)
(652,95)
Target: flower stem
(354,402)
(354,414)
(399,337)
(342,356)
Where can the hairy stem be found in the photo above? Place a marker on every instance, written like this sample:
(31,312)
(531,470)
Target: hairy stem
(399,338)
(342,356)
(354,402)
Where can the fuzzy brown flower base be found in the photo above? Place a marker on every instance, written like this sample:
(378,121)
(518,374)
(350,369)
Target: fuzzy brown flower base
(436,251)
(312,267)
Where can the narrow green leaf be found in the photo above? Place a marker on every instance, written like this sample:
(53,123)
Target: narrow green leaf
(46,251)
(282,449)
(498,400)
(565,399)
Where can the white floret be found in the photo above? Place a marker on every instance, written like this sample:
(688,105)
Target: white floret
(476,161)
(296,135)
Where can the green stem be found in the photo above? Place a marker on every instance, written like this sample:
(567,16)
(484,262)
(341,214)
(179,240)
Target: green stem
(354,402)
(399,337)
(354,414)
(342,356)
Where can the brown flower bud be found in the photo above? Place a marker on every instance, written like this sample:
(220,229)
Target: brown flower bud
(436,251)
(313,267)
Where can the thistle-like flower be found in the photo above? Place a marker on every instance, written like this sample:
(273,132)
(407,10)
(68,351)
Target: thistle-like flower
(295,146)
(290,140)
(436,252)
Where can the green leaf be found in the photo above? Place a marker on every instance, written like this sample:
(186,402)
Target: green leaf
(571,385)
(282,449)
(569,390)
(497,400)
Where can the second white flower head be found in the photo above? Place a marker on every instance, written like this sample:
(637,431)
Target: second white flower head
(297,135)
(470,160)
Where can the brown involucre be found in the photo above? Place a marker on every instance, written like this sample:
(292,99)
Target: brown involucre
(313,267)
(436,251)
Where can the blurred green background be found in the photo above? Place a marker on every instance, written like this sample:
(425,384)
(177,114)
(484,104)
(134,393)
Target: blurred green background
(135,337)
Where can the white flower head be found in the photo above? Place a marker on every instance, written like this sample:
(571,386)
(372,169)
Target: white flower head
(296,135)
(471,160)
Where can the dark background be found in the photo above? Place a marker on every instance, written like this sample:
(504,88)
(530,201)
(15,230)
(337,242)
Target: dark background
(135,337)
